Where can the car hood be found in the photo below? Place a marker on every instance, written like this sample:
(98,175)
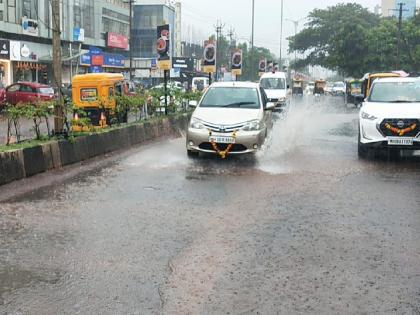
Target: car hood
(226,116)
(392,110)
(275,93)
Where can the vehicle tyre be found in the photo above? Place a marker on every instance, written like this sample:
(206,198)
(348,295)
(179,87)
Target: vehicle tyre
(192,154)
(362,150)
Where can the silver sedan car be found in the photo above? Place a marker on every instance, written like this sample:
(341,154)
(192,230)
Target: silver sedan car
(231,118)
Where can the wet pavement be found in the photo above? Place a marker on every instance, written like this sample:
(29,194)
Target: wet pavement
(302,228)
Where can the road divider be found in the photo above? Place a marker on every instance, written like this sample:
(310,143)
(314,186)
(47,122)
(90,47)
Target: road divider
(21,163)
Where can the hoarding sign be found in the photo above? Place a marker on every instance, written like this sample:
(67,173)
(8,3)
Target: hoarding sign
(262,66)
(162,47)
(29,27)
(237,62)
(185,64)
(209,56)
(115,40)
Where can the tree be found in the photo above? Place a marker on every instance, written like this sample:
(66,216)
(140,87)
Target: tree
(335,38)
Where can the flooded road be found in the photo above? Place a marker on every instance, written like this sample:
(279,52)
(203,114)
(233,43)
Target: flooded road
(305,227)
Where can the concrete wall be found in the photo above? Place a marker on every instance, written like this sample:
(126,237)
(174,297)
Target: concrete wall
(27,162)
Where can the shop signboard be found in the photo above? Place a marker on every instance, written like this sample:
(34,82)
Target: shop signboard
(4,49)
(15,51)
(85,60)
(237,62)
(162,47)
(78,34)
(209,56)
(114,60)
(115,40)
(29,26)
(97,60)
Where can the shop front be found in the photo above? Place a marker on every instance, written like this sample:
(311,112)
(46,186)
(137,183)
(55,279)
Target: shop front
(26,63)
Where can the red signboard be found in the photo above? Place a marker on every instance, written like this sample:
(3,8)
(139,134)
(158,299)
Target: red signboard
(97,60)
(117,41)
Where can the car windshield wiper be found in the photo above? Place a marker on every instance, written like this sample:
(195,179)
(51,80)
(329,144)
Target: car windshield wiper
(239,104)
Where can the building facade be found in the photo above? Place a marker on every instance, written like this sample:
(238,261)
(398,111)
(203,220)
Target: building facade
(101,26)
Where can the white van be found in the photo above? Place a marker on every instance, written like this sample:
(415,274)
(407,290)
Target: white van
(275,86)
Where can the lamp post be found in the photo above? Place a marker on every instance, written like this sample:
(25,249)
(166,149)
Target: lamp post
(296,24)
(130,40)
(281,36)
(252,39)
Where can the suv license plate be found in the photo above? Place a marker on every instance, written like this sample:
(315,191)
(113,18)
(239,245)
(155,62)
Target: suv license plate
(219,139)
(400,141)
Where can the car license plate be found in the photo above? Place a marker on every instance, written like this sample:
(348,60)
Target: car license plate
(400,141)
(221,139)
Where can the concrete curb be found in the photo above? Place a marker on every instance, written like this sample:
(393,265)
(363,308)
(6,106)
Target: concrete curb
(15,165)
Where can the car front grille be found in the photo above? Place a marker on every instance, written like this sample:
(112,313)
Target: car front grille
(411,127)
(223,146)
(223,128)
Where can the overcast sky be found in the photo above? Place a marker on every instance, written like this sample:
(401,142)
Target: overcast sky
(199,16)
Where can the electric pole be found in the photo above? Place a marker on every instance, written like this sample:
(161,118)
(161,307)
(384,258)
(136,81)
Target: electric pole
(231,45)
(252,40)
(219,27)
(131,40)
(58,109)
(399,35)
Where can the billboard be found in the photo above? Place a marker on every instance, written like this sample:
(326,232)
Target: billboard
(236,62)
(209,56)
(162,47)
(114,40)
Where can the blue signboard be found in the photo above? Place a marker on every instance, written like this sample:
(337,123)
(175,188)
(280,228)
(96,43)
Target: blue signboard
(114,60)
(85,59)
(78,34)
(95,69)
(93,50)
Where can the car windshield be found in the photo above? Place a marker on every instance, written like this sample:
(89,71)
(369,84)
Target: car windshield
(273,83)
(231,97)
(339,85)
(392,92)
(46,90)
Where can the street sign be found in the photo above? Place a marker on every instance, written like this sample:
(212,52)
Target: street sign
(209,56)
(185,64)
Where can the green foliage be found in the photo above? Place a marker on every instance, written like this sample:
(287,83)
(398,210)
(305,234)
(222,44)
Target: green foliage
(350,39)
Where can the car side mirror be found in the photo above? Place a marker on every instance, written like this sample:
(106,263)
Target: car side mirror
(270,106)
(192,103)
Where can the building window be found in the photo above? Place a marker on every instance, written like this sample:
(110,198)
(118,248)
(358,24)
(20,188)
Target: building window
(30,9)
(11,11)
(84,16)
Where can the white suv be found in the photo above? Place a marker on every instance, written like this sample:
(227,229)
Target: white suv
(390,116)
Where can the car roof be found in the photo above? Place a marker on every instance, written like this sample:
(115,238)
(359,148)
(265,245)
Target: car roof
(32,84)
(274,75)
(239,84)
(398,80)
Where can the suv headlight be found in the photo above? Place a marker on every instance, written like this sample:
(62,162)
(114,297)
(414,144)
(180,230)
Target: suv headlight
(282,99)
(196,124)
(253,125)
(367,116)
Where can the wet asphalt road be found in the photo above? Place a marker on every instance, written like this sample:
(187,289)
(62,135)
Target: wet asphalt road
(303,228)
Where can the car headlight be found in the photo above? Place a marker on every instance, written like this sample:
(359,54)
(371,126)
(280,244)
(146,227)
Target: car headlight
(253,125)
(367,116)
(282,99)
(196,124)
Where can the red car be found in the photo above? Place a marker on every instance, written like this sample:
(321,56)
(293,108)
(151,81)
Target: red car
(28,92)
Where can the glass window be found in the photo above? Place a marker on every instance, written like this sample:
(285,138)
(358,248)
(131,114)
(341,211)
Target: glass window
(88,95)
(46,90)
(395,92)
(13,88)
(273,83)
(231,97)
(26,88)
(111,93)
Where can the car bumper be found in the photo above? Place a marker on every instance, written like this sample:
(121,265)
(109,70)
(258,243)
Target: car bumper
(245,141)
(370,135)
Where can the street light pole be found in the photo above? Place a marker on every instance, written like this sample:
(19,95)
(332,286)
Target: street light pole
(252,40)
(131,40)
(281,36)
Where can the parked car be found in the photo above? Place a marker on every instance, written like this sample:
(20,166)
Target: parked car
(28,92)
(274,85)
(390,116)
(233,116)
(310,88)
